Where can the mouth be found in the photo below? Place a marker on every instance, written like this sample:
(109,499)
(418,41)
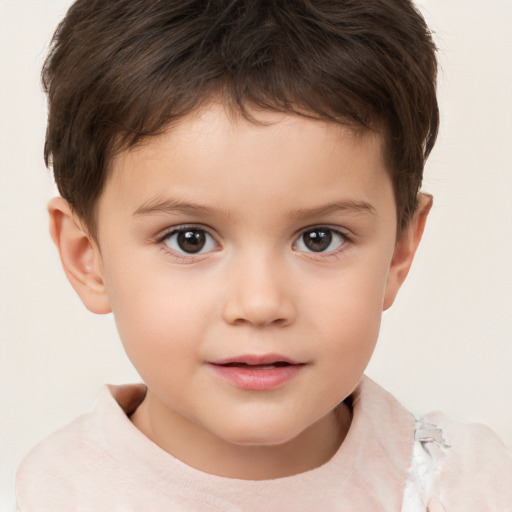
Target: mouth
(277,364)
(257,372)
(256,360)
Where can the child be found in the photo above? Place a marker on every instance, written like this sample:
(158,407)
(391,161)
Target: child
(240,187)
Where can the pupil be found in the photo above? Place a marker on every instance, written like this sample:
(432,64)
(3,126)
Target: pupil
(191,241)
(317,240)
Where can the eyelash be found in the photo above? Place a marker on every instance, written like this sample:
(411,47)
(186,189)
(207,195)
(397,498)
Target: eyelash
(333,253)
(191,257)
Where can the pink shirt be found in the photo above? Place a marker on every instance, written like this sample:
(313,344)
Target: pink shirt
(387,462)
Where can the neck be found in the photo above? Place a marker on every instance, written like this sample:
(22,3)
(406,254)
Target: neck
(206,452)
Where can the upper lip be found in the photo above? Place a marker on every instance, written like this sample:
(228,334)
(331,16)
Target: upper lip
(256,359)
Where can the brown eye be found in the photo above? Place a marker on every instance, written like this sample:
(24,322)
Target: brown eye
(319,240)
(190,241)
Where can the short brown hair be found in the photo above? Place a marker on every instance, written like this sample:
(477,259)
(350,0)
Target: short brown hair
(119,71)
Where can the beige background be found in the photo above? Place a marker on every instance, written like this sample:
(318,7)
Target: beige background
(446,344)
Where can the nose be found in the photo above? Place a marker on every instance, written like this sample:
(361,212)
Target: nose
(259,294)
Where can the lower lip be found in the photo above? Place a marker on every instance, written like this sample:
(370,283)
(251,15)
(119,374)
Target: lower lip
(257,379)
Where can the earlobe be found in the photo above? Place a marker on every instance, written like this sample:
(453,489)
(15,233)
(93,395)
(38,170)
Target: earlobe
(405,249)
(80,256)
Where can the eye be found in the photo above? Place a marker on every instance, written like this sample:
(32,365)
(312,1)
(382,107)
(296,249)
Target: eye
(189,241)
(320,239)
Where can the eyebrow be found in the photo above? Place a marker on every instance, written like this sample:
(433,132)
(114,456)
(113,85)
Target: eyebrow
(349,206)
(170,206)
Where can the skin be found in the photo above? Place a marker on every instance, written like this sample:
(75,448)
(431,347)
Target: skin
(255,288)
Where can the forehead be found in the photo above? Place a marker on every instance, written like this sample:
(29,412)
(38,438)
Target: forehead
(215,156)
(219,129)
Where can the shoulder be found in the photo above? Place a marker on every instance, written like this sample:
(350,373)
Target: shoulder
(474,471)
(77,456)
(47,471)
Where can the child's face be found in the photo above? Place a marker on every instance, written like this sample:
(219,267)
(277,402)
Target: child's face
(225,244)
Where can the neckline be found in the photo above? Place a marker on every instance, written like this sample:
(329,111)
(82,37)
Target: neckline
(376,453)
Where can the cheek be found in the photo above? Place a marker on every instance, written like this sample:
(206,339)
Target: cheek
(157,314)
(348,317)
(351,332)
(159,336)
(352,300)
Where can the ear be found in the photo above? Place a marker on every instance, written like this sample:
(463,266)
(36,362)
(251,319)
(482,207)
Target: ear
(79,254)
(405,249)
